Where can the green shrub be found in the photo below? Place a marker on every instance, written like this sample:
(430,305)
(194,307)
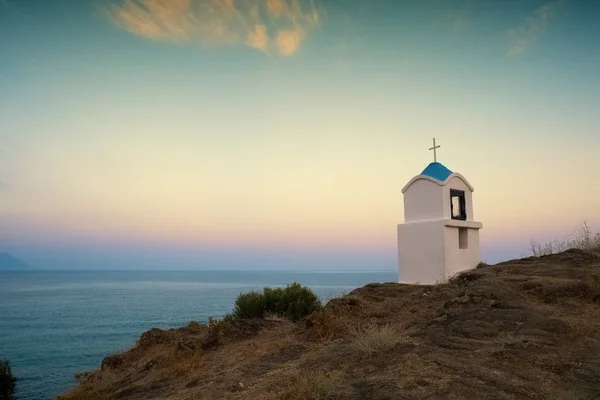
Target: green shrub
(273,299)
(250,305)
(7,381)
(297,302)
(293,302)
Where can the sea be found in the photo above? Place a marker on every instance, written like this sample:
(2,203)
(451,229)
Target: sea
(55,324)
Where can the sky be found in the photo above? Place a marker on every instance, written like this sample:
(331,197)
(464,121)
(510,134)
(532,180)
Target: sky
(278,134)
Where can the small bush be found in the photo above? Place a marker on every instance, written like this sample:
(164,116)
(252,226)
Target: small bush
(273,299)
(296,302)
(7,381)
(250,305)
(213,337)
(293,302)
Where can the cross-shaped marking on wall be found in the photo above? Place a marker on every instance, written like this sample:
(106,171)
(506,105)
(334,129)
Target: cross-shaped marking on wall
(434,150)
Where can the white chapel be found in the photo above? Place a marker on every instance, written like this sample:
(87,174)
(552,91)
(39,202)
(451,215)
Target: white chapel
(439,236)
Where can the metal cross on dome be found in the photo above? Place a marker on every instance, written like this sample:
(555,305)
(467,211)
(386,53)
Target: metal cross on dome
(434,150)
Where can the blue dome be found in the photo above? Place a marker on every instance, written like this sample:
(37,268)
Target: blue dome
(437,171)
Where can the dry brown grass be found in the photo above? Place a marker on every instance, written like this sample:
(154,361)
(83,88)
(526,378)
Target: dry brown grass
(317,385)
(276,317)
(87,396)
(182,364)
(583,238)
(584,320)
(332,296)
(326,325)
(595,288)
(375,338)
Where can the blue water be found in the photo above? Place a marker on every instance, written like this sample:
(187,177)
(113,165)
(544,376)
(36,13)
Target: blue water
(54,324)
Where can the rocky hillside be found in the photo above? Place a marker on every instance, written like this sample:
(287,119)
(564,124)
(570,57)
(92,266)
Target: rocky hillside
(523,329)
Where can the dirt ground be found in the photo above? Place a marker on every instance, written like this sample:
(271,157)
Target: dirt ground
(522,329)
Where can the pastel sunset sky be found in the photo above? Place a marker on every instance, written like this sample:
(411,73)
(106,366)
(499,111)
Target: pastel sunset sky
(268,134)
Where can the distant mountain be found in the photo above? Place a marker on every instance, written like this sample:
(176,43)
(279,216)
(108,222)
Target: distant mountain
(9,262)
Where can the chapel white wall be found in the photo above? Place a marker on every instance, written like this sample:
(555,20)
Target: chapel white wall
(457,259)
(423,201)
(421,252)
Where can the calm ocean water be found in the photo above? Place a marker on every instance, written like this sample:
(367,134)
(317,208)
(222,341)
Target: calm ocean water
(54,324)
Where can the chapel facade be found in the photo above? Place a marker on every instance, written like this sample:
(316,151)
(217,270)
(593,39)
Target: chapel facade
(439,237)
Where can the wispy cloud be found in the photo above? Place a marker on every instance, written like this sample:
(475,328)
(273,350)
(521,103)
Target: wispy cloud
(269,26)
(456,16)
(526,36)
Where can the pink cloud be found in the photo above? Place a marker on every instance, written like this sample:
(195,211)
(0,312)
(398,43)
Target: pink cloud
(220,22)
(259,38)
(289,41)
